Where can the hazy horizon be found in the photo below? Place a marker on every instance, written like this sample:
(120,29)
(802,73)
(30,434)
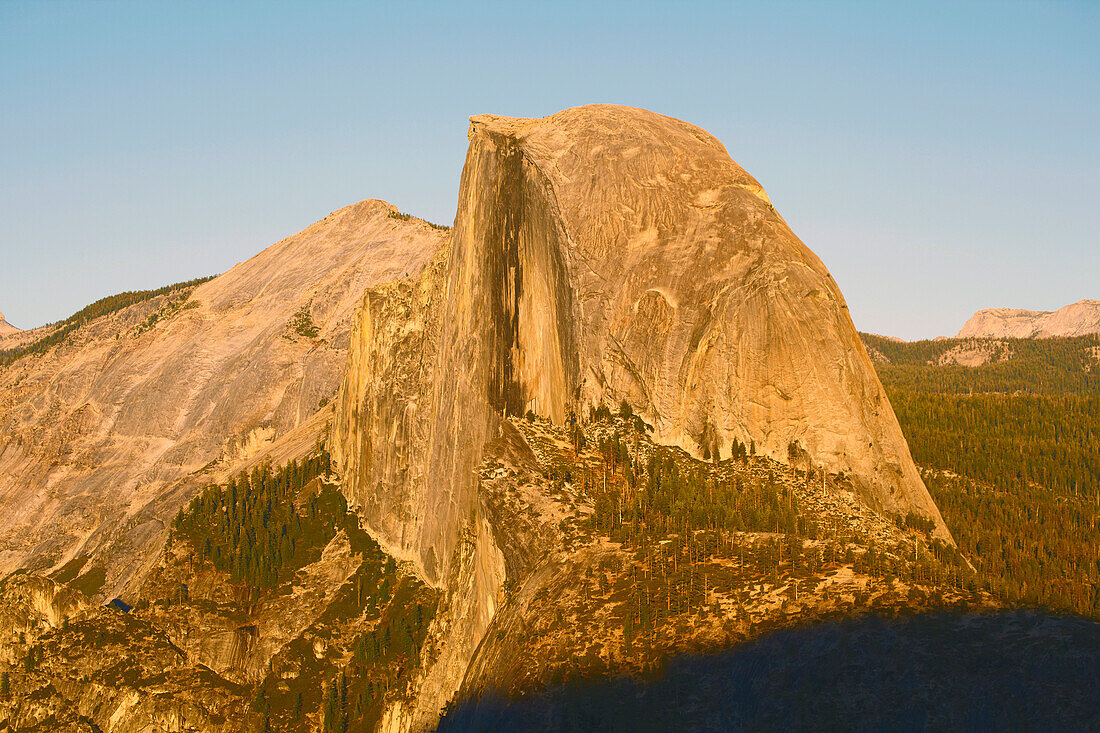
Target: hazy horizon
(937,162)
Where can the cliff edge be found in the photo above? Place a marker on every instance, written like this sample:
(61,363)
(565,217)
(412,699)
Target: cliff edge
(605,254)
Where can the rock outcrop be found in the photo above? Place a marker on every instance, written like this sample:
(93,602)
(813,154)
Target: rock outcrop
(599,255)
(104,437)
(1077,319)
(6,329)
(74,666)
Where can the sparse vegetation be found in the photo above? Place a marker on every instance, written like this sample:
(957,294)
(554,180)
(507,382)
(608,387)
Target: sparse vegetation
(102,307)
(705,541)
(302,323)
(373,630)
(409,217)
(176,302)
(261,528)
(383,657)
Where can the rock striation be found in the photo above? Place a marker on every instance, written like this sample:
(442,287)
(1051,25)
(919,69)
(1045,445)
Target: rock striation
(104,437)
(1077,319)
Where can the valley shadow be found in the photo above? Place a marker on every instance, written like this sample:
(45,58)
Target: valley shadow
(1004,671)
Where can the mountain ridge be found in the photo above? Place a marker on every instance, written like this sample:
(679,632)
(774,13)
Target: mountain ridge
(134,412)
(1076,319)
(618,412)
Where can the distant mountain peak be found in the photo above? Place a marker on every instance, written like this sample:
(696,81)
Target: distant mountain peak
(1077,319)
(6,329)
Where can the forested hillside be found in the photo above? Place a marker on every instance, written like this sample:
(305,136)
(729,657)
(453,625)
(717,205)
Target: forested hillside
(658,554)
(1010,449)
(261,528)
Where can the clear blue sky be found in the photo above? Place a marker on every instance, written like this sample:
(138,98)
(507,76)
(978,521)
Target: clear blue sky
(939,158)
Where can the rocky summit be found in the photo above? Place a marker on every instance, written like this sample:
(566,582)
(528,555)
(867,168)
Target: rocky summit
(6,329)
(385,470)
(1077,319)
(603,255)
(607,254)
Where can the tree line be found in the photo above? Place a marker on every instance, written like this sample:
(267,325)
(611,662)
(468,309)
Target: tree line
(102,307)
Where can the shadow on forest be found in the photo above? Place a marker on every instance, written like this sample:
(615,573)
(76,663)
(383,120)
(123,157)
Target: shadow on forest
(1003,671)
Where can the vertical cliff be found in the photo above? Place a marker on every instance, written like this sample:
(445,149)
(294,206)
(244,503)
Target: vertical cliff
(606,254)
(696,303)
(600,255)
(486,331)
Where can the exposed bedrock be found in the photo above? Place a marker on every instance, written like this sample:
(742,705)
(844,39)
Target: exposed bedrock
(486,331)
(694,301)
(604,254)
(105,436)
(598,255)
(1076,319)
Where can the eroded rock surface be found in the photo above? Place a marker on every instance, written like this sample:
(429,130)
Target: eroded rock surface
(105,437)
(600,255)
(606,254)
(6,329)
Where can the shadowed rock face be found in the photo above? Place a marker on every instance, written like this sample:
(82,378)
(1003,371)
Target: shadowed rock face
(104,438)
(1077,319)
(601,254)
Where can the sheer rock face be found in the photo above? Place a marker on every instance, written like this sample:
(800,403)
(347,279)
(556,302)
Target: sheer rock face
(104,438)
(1077,319)
(383,416)
(605,254)
(692,299)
